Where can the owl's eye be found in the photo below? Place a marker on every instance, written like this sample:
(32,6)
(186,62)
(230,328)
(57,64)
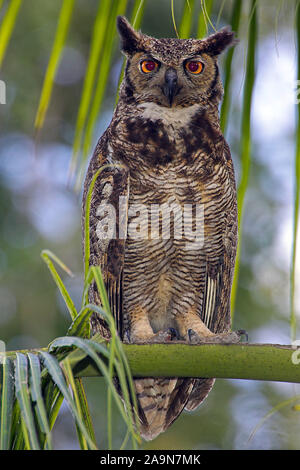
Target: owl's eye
(194,66)
(148,66)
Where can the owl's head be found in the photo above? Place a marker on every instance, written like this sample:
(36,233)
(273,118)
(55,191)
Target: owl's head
(172,72)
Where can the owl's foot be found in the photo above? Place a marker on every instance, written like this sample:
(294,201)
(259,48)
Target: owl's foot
(220,338)
(163,336)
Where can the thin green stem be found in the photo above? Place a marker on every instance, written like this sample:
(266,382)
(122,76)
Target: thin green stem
(293,323)
(7,26)
(204,18)
(235,23)
(187,19)
(97,43)
(118,8)
(173,18)
(245,140)
(59,41)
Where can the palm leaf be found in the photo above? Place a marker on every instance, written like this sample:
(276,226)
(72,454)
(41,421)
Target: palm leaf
(293,321)
(84,409)
(105,303)
(79,325)
(173,18)
(59,41)
(37,398)
(187,19)
(91,348)
(55,400)
(82,327)
(46,255)
(98,38)
(16,436)
(245,138)
(275,409)
(137,13)
(71,382)
(204,18)
(7,26)
(118,8)
(56,373)
(220,13)
(87,210)
(7,400)
(23,397)
(235,23)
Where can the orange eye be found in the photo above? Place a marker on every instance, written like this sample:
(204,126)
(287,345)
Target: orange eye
(194,66)
(148,66)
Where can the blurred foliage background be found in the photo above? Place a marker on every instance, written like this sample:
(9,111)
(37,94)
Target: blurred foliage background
(39,207)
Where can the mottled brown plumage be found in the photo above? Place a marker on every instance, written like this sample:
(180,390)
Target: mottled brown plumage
(164,151)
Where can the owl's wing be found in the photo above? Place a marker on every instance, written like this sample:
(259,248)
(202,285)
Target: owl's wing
(107,233)
(220,262)
(216,301)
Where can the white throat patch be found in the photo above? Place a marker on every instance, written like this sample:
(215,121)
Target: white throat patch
(173,117)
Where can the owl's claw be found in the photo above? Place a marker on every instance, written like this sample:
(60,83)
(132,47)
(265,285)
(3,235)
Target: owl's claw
(174,333)
(221,338)
(164,336)
(193,337)
(126,337)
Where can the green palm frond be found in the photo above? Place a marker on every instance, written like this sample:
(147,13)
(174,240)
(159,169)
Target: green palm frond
(245,138)
(57,49)
(47,255)
(97,43)
(118,8)
(43,379)
(7,26)
(293,321)
(7,401)
(187,19)
(235,23)
(204,18)
(37,397)
(23,396)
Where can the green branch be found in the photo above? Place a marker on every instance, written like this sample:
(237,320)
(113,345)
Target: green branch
(236,361)
(271,362)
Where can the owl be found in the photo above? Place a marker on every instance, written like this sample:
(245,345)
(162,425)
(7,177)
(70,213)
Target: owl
(163,218)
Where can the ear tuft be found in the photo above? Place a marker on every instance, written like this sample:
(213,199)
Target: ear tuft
(217,43)
(130,39)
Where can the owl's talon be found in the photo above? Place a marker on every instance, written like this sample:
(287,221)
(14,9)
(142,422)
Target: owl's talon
(126,337)
(174,333)
(194,338)
(164,336)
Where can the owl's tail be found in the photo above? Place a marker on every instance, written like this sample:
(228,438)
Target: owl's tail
(161,401)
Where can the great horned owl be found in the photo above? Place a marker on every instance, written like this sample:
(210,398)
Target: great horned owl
(167,184)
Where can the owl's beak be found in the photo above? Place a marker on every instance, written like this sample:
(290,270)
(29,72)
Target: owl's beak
(170,88)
